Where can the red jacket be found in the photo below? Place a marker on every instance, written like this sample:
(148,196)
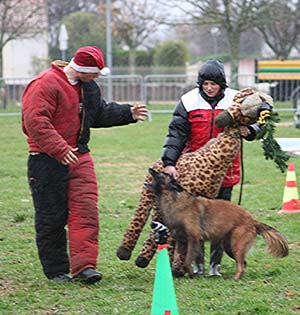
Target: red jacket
(202,119)
(192,126)
(50,113)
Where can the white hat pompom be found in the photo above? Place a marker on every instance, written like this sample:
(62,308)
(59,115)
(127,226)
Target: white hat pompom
(105,71)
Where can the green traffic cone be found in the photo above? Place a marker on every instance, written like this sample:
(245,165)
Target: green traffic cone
(164,298)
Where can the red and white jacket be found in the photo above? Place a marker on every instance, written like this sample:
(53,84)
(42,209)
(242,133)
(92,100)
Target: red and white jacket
(192,126)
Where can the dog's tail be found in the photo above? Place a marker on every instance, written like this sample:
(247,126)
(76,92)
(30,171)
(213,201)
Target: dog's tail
(277,243)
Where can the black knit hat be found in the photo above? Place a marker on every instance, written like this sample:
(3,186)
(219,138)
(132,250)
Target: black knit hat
(212,70)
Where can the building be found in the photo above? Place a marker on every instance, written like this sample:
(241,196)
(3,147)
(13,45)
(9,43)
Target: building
(24,56)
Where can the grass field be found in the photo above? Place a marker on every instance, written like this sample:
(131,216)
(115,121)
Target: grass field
(122,156)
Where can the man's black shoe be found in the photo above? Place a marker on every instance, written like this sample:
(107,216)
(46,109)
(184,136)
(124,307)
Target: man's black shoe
(88,276)
(61,278)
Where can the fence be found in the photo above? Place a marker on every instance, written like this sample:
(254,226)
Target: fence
(11,90)
(159,92)
(281,88)
(124,88)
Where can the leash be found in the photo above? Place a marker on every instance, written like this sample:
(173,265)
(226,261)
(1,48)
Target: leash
(242,174)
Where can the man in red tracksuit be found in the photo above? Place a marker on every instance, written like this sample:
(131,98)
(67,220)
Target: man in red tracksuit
(192,126)
(58,109)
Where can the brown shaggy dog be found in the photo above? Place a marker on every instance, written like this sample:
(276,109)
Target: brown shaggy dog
(195,219)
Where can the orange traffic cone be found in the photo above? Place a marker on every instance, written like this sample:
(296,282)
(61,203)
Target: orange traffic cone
(291,201)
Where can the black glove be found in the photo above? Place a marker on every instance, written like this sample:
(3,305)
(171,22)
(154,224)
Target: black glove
(161,232)
(254,129)
(264,111)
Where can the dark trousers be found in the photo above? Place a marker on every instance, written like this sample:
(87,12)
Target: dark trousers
(216,248)
(48,181)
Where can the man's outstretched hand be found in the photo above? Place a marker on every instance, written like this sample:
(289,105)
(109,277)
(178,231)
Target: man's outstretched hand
(139,112)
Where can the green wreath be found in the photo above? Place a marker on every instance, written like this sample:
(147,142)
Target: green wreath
(271,148)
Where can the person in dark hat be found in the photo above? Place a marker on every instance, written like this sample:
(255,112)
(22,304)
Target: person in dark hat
(58,109)
(192,126)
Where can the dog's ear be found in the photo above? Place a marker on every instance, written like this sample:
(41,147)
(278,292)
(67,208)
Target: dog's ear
(152,172)
(175,185)
(155,179)
(149,187)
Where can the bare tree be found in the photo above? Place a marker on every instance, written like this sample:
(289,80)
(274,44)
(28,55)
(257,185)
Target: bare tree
(234,17)
(20,19)
(281,25)
(133,22)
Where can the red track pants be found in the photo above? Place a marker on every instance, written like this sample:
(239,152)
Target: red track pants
(83,221)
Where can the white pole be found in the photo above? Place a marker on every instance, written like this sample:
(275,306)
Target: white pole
(108,48)
(63,41)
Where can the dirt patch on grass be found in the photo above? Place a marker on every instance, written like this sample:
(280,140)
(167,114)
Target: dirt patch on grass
(6,287)
(285,124)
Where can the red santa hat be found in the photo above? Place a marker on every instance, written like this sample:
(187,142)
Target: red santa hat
(89,59)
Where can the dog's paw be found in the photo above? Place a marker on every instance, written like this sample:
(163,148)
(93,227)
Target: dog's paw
(178,273)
